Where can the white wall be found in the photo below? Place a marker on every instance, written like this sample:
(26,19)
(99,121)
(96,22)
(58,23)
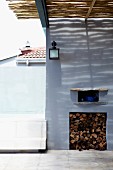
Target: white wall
(86,61)
(22,90)
(22,105)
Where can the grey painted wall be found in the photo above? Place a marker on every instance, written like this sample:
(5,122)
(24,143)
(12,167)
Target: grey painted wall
(86,61)
(22,88)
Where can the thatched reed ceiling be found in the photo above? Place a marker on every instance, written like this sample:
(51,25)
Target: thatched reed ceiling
(23,9)
(64,8)
(80,8)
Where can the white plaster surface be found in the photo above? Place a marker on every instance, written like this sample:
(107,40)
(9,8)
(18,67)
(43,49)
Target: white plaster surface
(22,106)
(22,89)
(22,132)
(86,61)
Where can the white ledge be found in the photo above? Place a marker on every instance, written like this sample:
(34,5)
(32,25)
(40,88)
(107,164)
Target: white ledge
(91,103)
(28,61)
(86,89)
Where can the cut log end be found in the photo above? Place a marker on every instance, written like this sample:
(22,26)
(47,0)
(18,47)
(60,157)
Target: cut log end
(88,131)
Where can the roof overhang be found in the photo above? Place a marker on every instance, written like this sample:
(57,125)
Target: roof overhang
(46,9)
(30,9)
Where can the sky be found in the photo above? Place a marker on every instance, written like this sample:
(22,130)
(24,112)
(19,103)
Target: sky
(14,33)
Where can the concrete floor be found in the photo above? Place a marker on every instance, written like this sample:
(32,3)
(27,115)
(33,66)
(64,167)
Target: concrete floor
(58,160)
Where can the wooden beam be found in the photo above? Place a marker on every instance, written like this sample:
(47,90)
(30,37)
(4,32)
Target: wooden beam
(42,11)
(90,9)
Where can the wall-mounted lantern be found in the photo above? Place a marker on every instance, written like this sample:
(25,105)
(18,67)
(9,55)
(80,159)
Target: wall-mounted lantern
(53,51)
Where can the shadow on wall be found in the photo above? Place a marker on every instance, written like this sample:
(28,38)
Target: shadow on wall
(88,46)
(86,61)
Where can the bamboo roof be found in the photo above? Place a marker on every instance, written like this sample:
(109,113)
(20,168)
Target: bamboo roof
(23,9)
(64,8)
(80,8)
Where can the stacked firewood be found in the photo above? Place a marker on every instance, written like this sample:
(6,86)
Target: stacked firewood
(88,131)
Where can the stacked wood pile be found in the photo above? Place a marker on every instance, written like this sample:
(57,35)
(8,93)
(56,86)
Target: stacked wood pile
(88,131)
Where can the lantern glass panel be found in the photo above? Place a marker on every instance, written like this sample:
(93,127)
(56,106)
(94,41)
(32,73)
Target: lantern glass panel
(54,53)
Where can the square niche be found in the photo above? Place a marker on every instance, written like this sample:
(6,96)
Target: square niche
(89,96)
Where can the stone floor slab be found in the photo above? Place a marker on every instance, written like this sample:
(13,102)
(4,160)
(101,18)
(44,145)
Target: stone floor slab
(58,160)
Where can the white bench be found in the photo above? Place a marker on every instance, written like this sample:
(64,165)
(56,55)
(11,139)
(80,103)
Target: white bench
(22,133)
